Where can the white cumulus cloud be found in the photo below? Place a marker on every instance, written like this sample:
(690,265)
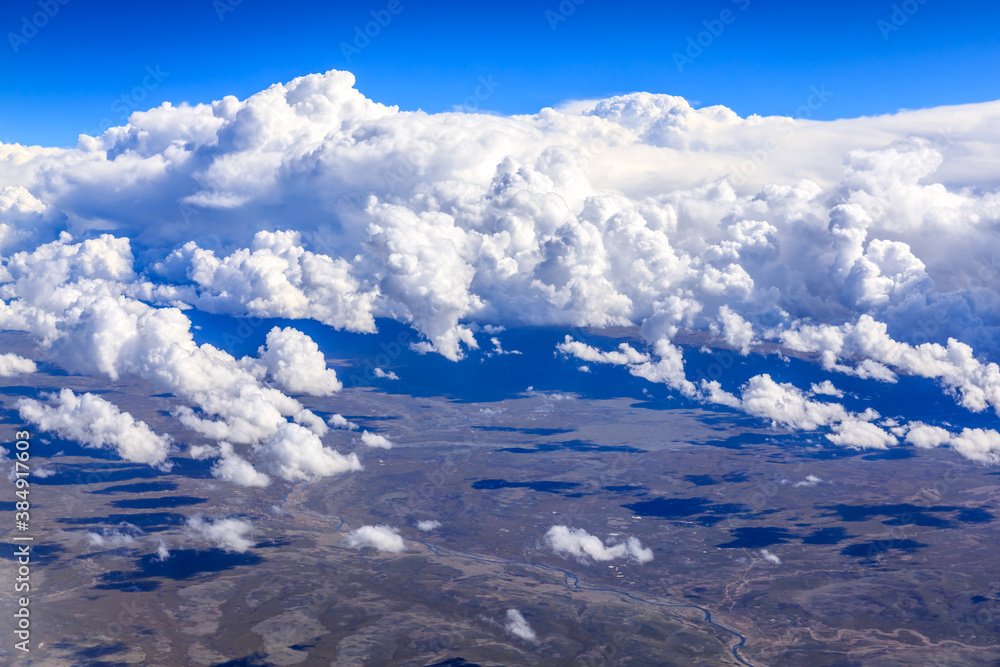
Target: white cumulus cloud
(518,626)
(925,436)
(231,467)
(865,242)
(383,538)
(227,534)
(296,364)
(375,440)
(826,388)
(12,364)
(340,421)
(295,453)
(810,480)
(123,534)
(860,435)
(95,422)
(583,546)
(770,557)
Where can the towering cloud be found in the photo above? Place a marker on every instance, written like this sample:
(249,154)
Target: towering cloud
(592,214)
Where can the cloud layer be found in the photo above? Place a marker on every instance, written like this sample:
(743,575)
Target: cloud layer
(871,243)
(594,214)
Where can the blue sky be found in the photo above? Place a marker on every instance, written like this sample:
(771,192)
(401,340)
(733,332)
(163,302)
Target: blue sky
(86,66)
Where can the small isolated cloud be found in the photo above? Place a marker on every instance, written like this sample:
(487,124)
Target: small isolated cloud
(583,369)
(810,480)
(162,553)
(341,422)
(383,538)
(379,373)
(428,525)
(583,546)
(826,388)
(95,422)
(120,535)
(376,440)
(228,534)
(12,364)
(498,349)
(770,557)
(517,626)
